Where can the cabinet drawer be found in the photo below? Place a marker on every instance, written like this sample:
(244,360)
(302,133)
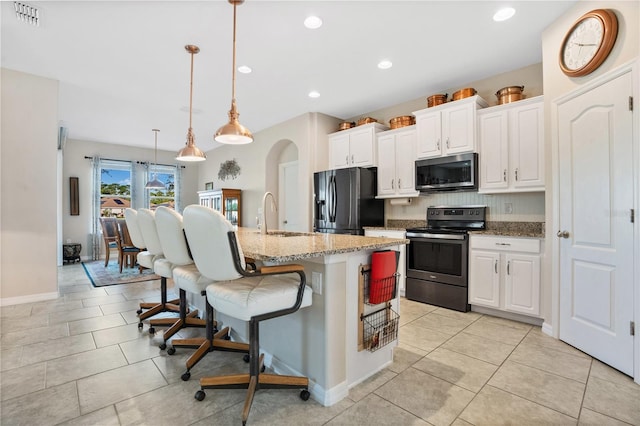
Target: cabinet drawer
(524,245)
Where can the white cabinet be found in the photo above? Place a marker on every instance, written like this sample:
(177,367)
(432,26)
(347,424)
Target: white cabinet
(504,273)
(448,129)
(396,163)
(393,233)
(512,147)
(354,147)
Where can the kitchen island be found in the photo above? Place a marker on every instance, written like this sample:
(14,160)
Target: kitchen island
(320,341)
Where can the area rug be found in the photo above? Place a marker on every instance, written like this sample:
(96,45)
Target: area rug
(111,275)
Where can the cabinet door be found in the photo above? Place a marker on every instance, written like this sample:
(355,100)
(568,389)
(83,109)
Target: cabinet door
(339,151)
(527,142)
(361,147)
(429,133)
(522,283)
(387,165)
(405,163)
(484,278)
(458,129)
(216,202)
(494,150)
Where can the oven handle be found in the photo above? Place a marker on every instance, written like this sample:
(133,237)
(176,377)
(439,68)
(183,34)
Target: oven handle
(425,237)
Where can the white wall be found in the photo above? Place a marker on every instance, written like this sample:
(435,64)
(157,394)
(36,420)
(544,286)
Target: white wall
(78,228)
(28,219)
(556,84)
(258,168)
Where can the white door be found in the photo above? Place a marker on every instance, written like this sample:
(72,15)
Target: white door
(405,162)
(288,198)
(494,150)
(484,278)
(429,132)
(596,249)
(522,283)
(386,165)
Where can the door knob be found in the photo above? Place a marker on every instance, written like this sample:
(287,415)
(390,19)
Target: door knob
(285,222)
(563,234)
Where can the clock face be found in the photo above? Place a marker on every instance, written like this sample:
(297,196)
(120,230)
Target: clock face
(583,43)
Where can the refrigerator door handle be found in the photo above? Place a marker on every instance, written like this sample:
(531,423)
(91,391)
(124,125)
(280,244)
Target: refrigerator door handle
(334,198)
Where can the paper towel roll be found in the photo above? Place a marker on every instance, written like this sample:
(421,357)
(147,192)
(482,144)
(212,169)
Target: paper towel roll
(400,201)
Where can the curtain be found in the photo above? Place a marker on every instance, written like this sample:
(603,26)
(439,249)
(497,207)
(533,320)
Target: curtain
(178,189)
(146,197)
(96,238)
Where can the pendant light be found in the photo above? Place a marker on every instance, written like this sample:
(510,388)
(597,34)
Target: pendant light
(155,183)
(191,152)
(233,132)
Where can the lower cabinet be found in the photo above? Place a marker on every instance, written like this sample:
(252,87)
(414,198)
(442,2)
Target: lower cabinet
(504,273)
(392,233)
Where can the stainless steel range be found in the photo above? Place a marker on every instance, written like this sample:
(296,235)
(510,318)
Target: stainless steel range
(438,256)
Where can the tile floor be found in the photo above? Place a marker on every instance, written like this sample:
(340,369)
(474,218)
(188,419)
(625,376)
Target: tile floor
(80,360)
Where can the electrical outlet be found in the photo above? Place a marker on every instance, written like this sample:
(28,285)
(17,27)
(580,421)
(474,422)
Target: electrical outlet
(316,282)
(508,208)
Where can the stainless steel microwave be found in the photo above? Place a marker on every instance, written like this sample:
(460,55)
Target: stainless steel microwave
(452,173)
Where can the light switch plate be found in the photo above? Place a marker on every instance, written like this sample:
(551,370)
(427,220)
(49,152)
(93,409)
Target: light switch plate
(508,208)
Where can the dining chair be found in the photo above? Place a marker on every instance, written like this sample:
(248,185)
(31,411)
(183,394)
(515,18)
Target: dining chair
(253,296)
(109,236)
(127,252)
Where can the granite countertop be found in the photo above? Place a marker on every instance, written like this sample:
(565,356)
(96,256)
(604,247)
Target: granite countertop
(511,229)
(284,246)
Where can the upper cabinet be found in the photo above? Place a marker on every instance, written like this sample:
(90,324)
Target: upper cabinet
(396,163)
(354,147)
(512,147)
(448,129)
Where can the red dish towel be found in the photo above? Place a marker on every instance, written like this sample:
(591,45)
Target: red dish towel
(381,281)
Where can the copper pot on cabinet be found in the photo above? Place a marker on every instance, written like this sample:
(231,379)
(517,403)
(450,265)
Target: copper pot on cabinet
(509,94)
(435,100)
(464,93)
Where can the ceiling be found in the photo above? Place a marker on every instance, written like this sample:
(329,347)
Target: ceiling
(123,69)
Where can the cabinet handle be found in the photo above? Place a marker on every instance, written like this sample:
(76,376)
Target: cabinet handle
(392,187)
(347,158)
(398,183)
(438,144)
(353,161)
(509,268)
(504,175)
(503,244)
(447,142)
(495,267)
(516,175)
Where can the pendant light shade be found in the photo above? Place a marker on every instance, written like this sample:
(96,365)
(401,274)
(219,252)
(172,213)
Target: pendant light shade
(233,132)
(191,152)
(155,183)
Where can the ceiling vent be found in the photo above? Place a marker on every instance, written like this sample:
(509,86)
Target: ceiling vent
(27,13)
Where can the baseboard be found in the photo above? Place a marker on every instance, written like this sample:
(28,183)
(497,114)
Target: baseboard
(547,329)
(508,315)
(326,397)
(32,298)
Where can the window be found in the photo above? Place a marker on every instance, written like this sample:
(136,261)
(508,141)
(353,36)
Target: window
(162,197)
(115,188)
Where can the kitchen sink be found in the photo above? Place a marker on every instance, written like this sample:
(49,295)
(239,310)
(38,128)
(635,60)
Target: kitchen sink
(285,233)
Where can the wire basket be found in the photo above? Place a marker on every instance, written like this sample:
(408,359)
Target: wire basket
(379,290)
(380,328)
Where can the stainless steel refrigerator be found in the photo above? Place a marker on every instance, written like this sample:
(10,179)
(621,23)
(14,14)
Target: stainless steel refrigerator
(344,201)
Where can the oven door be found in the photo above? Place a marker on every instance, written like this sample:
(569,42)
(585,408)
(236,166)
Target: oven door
(439,259)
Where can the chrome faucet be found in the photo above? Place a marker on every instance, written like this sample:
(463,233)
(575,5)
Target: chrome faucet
(274,206)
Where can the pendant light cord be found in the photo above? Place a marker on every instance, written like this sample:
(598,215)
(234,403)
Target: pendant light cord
(191,90)
(233,69)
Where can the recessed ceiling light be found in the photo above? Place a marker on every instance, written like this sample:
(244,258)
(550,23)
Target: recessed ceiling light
(244,69)
(313,22)
(384,65)
(314,94)
(504,14)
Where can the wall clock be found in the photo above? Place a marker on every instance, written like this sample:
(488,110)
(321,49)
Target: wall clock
(588,42)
